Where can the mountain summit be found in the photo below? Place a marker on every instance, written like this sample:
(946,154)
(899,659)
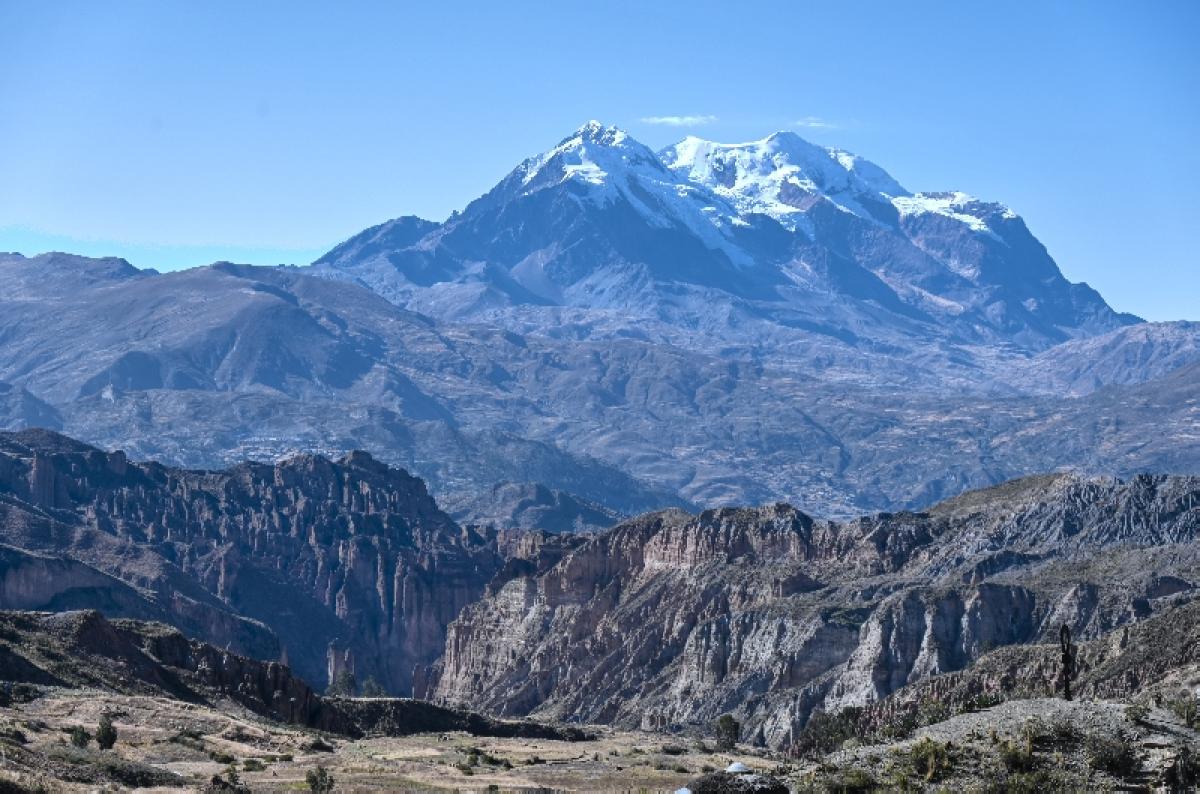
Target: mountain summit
(783,175)
(777,244)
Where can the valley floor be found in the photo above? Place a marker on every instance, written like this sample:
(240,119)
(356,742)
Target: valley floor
(167,745)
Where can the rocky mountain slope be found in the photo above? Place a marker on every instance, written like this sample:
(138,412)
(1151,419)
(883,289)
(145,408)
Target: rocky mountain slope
(780,246)
(214,366)
(671,619)
(330,565)
(625,330)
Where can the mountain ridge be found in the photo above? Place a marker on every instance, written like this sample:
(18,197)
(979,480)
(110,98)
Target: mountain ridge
(748,225)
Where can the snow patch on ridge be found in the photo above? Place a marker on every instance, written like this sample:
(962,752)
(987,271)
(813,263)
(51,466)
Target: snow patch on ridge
(956,205)
(782,176)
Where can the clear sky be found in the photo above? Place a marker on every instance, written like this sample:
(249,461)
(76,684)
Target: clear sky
(179,133)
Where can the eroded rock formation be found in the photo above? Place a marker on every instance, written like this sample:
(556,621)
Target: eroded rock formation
(345,563)
(670,619)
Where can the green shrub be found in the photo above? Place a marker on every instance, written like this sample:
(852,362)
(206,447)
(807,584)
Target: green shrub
(826,732)
(221,758)
(984,700)
(1063,731)
(1113,754)
(901,726)
(106,733)
(319,780)
(728,731)
(343,685)
(1017,756)
(14,735)
(1138,712)
(253,765)
(930,760)
(932,711)
(80,736)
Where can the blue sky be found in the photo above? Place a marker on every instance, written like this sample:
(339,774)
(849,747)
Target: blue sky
(176,134)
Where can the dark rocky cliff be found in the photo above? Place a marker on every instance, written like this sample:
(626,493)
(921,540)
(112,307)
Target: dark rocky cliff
(670,619)
(331,564)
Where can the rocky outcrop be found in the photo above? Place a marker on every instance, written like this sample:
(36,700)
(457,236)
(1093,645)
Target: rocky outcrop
(533,506)
(669,620)
(1145,660)
(42,582)
(345,563)
(83,649)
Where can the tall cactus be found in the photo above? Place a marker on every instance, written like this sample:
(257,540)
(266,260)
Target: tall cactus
(1066,667)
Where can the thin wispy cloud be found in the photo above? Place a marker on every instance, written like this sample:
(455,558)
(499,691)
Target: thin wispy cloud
(815,123)
(679,121)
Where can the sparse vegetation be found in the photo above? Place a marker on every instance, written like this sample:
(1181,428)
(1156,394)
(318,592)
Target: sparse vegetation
(849,781)
(728,731)
(931,712)
(373,689)
(319,780)
(1063,732)
(930,760)
(1017,755)
(14,735)
(1035,782)
(1112,754)
(106,733)
(1184,707)
(1184,773)
(80,736)
(343,685)
(826,732)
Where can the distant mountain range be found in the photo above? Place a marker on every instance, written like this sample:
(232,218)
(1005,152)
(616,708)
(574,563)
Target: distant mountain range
(611,330)
(786,249)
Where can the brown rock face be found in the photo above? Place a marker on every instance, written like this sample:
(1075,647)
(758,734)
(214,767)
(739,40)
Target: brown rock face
(670,620)
(345,560)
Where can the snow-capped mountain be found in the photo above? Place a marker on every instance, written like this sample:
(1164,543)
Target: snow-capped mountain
(789,249)
(783,175)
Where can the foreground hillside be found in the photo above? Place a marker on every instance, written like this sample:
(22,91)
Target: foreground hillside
(188,716)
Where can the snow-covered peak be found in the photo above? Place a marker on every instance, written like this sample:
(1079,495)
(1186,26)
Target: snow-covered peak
(602,165)
(781,175)
(597,133)
(592,154)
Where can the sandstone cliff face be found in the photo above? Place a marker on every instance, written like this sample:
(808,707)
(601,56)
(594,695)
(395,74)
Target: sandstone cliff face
(343,563)
(671,619)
